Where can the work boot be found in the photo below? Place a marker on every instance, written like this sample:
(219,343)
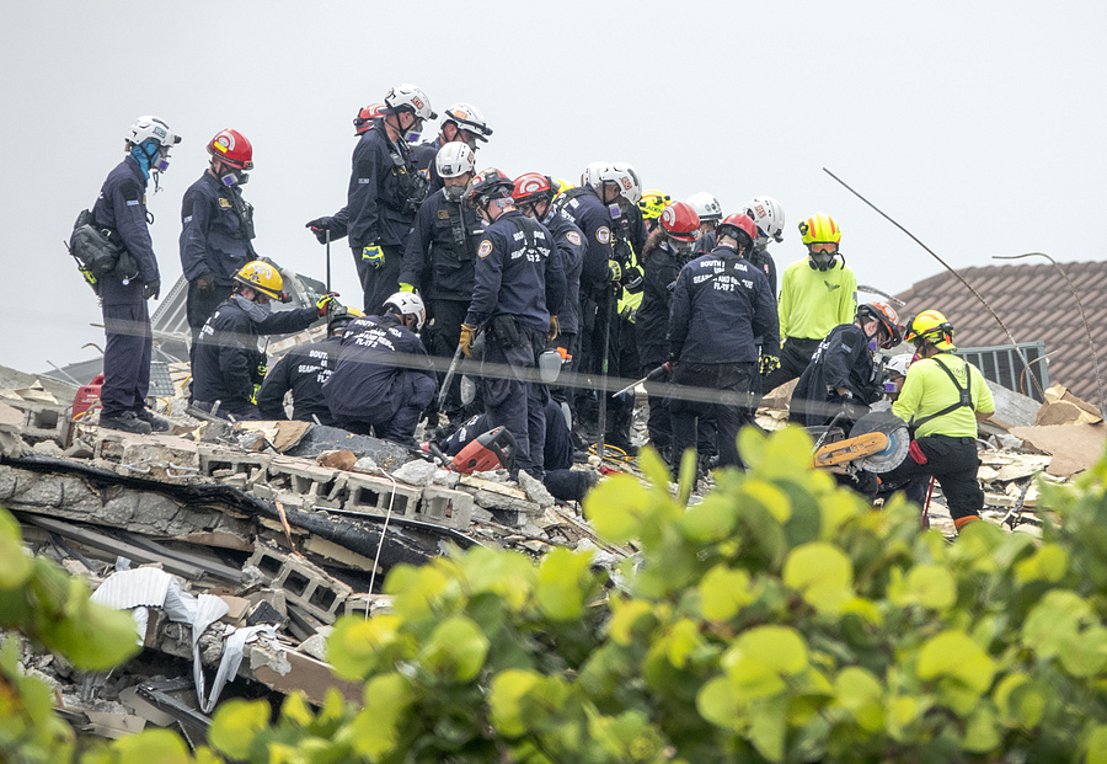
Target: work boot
(127,422)
(157,424)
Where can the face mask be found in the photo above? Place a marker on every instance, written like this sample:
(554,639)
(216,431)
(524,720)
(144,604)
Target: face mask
(822,261)
(256,311)
(235,179)
(682,248)
(161,164)
(454,193)
(872,345)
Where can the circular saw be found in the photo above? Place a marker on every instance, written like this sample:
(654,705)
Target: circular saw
(897,439)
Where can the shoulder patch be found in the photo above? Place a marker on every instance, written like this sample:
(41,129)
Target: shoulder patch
(130,191)
(224,203)
(443,214)
(574,238)
(603,235)
(485,248)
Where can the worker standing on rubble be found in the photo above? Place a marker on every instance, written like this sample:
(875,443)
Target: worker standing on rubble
(942,399)
(441,251)
(385,192)
(227,366)
(217,228)
(720,304)
(817,293)
(520,283)
(121,208)
(383,379)
(667,250)
(302,371)
(842,380)
(461,123)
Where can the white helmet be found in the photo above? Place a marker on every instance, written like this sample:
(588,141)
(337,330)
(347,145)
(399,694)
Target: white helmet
(468,117)
(406,96)
(591,174)
(625,179)
(454,159)
(767,213)
(408,304)
(706,206)
(147,127)
(899,363)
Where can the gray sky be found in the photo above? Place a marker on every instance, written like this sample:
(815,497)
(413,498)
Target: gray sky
(977,125)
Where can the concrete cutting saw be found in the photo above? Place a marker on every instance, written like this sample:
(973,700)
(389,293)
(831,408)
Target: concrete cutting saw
(877,443)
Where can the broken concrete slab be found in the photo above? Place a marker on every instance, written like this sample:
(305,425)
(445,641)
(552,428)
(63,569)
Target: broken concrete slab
(1074,447)
(286,670)
(1062,407)
(321,438)
(534,490)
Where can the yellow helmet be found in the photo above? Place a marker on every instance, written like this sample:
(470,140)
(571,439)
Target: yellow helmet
(930,326)
(820,228)
(562,186)
(263,277)
(653,203)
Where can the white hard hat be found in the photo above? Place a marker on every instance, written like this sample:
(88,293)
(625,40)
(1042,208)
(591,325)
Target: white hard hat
(407,96)
(147,127)
(454,159)
(899,363)
(591,174)
(409,304)
(706,206)
(468,117)
(767,213)
(625,179)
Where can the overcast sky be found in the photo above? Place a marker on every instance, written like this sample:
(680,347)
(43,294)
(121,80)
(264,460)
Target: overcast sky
(979,125)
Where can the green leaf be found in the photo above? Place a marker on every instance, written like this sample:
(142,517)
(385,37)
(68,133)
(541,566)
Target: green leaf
(1057,615)
(982,731)
(930,586)
(1084,654)
(15,564)
(152,745)
(787,454)
(505,700)
(723,592)
(508,574)
(768,727)
(762,658)
(387,700)
(626,614)
(564,583)
(822,573)
(859,692)
(456,649)
(1097,745)
(358,645)
(92,637)
(953,654)
(235,725)
(418,592)
(614,507)
(774,500)
(719,703)
(712,520)
(1019,701)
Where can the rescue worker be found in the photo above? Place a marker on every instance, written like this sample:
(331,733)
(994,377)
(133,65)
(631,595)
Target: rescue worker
(383,379)
(534,196)
(337,224)
(710,213)
(817,293)
(385,192)
(720,304)
(667,250)
(560,479)
(652,204)
(302,371)
(217,228)
(942,399)
(462,123)
(228,368)
(842,377)
(519,285)
(440,255)
(768,216)
(121,208)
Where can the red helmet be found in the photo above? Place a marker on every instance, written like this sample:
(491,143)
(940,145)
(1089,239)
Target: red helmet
(363,122)
(680,221)
(232,148)
(737,225)
(533,187)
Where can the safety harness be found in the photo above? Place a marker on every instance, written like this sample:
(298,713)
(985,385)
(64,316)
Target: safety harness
(964,396)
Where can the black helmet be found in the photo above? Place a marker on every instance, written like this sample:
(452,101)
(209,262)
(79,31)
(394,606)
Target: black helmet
(489,184)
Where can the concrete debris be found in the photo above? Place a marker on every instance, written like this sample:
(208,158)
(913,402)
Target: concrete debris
(416,472)
(535,491)
(1062,407)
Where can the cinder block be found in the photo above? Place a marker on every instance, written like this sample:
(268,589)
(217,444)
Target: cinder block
(373,495)
(220,463)
(446,507)
(43,421)
(303,583)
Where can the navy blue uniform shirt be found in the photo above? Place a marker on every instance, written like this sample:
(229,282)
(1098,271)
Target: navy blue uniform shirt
(217,226)
(121,207)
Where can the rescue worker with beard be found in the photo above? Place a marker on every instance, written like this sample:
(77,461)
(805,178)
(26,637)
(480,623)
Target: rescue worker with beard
(228,368)
(720,304)
(667,250)
(336,225)
(383,378)
(121,209)
(302,371)
(519,284)
(461,123)
(842,377)
(440,257)
(385,192)
(217,228)
(942,399)
(817,293)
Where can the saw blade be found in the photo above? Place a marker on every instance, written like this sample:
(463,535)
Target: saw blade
(899,439)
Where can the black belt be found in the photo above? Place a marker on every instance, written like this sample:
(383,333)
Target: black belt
(949,437)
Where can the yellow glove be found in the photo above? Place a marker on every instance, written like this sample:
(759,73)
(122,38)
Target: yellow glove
(555,329)
(327,304)
(615,270)
(373,255)
(406,287)
(465,340)
(769,364)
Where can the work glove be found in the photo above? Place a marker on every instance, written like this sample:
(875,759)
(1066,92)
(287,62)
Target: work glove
(406,287)
(327,304)
(632,278)
(320,226)
(555,329)
(615,270)
(373,256)
(629,313)
(261,370)
(769,364)
(151,289)
(465,340)
(254,394)
(204,283)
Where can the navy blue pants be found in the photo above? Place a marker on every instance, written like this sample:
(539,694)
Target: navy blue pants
(397,419)
(378,284)
(688,415)
(126,358)
(513,401)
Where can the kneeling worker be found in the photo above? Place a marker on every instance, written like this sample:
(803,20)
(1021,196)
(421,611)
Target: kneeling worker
(383,379)
(228,364)
(942,398)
